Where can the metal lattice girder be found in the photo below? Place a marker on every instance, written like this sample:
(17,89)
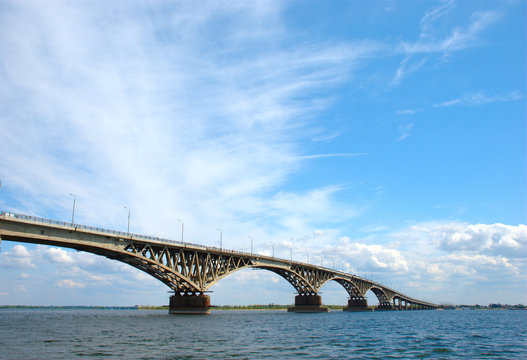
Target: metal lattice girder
(381,296)
(351,288)
(184,271)
(301,284)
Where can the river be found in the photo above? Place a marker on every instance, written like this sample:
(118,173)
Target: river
(153,334)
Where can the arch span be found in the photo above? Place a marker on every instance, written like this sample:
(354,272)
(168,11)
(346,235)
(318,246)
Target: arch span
(384,300)
(352,289)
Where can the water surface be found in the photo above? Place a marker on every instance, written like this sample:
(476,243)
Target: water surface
(153,334)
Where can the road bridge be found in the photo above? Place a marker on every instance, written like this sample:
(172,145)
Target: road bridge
(189,270)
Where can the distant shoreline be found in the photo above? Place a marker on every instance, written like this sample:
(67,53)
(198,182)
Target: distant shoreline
(271,307)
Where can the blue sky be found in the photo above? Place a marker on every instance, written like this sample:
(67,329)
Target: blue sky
(385,137)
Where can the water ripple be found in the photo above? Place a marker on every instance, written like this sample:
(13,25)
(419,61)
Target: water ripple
(136,334)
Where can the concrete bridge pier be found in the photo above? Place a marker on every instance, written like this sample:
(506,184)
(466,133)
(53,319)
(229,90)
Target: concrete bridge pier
(189,304)
(384,307)
(359,304)
(308,304)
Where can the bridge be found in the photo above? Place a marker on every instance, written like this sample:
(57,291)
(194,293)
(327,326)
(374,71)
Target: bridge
(189,270)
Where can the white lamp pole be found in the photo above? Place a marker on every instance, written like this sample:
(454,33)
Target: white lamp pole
(128,220)
(73,213)
(221,238)
(182,228)
(250,237)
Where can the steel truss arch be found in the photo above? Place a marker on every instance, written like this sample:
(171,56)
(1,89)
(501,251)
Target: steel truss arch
(300,283)
(381,296)
(352,289)
(185,271)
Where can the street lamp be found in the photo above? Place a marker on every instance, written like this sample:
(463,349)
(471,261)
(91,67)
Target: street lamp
(291,249)
(273,249)
(182,227)
(128,220)
(73,213)
(250,237)
(221,238)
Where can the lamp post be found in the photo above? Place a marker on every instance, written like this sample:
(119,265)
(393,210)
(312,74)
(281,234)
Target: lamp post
(182,227)
(128,220)
(221,238)
(291,249)
(250,237)
(273,249)
(73,213)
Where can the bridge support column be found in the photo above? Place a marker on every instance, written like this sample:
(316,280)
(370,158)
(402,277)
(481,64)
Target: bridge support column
(384,307)
(189,304)
(308,304)
(360,304)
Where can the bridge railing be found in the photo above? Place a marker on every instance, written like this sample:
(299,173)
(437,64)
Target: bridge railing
(91,228)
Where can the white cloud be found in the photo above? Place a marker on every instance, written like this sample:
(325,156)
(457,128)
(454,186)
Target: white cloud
(69,284)
(319,232)
(496,239)
(408,111)
(18,257)
(407,66)
(59,256)
(432,15)
(367,258)
(19,251)
(323,138)
(432,42)
(484,254)
(458,39)
(479,98)
(373,228)
(405,131)
(471,266)
(321,156)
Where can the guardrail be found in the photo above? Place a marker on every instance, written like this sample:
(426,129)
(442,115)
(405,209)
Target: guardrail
(175,242)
